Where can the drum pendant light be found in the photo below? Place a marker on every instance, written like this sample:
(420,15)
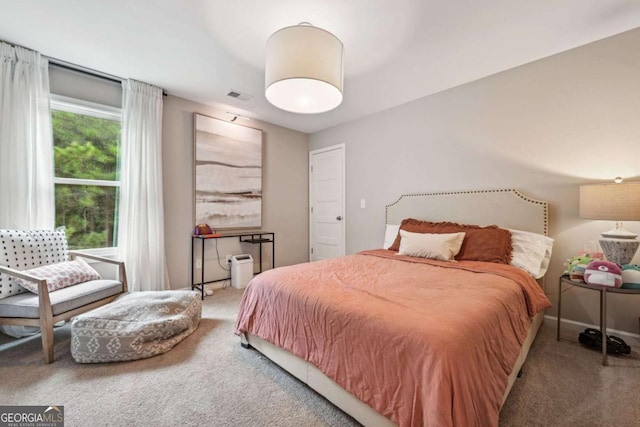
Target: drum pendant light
(304,69)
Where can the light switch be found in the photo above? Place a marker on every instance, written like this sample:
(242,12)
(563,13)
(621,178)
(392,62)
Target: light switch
(363,203)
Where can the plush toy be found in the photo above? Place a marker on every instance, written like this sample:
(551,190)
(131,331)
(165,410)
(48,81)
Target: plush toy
(577,265)
(593,254)
(631,276)
(603,273)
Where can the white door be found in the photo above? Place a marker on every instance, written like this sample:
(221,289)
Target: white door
(326,203)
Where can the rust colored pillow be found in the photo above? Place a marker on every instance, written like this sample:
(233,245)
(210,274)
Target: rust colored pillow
(488,244)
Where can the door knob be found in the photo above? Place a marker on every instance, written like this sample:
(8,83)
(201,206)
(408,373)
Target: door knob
(339,218)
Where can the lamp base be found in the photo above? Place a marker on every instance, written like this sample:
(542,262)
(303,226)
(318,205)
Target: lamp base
(619,232)
(620,251)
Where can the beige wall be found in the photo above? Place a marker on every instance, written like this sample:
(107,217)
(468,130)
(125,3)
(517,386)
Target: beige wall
(285,193)
(542,128)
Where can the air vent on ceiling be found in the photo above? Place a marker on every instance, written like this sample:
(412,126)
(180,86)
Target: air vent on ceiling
(239,95)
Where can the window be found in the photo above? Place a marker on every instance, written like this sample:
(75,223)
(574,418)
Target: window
(86,144)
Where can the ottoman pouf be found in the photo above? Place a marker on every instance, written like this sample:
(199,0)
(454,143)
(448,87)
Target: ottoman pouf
(135,326)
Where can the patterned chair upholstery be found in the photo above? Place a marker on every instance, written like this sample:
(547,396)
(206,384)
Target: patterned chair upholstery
(21,251)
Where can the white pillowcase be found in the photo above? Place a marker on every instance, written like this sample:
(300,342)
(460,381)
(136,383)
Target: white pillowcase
(390,234)
(531,252)
(433,246)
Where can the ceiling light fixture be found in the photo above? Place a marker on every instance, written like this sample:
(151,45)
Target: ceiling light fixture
(304,69)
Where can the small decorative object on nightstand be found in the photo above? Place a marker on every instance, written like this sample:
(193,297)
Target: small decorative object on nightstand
(603,273)
(615,202)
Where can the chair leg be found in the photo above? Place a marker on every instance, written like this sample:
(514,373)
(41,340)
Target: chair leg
(46,321)
(47,343)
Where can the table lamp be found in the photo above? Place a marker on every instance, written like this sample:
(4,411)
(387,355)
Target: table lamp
(614,202)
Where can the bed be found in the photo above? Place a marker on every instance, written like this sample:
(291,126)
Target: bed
(403,340)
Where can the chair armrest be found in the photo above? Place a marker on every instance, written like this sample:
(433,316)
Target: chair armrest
(20,274)
(43,288)
(120,264)
(73,254)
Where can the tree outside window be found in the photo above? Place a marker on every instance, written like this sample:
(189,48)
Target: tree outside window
(86,139)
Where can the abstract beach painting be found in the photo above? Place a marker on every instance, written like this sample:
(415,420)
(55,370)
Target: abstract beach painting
(227,174)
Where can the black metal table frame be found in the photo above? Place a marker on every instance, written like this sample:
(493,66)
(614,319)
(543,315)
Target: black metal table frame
(258,238)
(603,307)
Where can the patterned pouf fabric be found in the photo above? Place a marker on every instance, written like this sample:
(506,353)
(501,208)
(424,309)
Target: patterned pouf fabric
(135,326)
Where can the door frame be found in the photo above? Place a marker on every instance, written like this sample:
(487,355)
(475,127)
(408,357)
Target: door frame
(342,148)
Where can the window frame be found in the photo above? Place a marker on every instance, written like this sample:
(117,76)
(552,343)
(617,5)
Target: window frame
(101,111)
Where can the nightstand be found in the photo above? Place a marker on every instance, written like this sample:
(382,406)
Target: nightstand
(603,306)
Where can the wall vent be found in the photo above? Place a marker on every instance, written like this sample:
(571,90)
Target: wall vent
(239,95)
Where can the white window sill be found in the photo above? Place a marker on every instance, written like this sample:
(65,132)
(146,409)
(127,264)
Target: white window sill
(104,252)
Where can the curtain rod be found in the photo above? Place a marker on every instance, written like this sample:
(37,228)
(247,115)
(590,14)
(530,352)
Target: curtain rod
(79,68)
(88,71)
(70,66)
(84,70)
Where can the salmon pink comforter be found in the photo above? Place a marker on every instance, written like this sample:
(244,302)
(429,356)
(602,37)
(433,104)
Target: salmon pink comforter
(422,342)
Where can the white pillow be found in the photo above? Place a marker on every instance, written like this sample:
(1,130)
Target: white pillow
(531,252)
(390,234)
(433,246)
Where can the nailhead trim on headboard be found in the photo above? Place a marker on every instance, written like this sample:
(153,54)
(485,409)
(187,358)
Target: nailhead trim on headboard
(544,204)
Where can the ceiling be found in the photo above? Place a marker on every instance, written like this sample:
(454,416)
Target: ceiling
(395,51)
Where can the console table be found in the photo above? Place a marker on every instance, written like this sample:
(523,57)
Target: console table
(257,238)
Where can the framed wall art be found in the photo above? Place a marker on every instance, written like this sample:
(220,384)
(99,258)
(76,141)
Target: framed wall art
(227,174)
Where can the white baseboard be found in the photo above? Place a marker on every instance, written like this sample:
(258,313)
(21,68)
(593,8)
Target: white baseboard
(577,327)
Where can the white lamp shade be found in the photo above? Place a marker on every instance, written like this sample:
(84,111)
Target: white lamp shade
(304,70)
(614,202)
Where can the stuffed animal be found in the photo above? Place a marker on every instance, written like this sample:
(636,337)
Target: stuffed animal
(631,276)
(593,254)
(603,273)
(577,265)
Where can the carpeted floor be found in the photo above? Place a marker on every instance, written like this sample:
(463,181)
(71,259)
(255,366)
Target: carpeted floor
(209,380)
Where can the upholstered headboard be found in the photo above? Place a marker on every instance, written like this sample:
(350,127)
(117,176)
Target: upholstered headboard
(506,208)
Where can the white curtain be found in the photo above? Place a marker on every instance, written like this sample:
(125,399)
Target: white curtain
(26,145)
(141,214)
